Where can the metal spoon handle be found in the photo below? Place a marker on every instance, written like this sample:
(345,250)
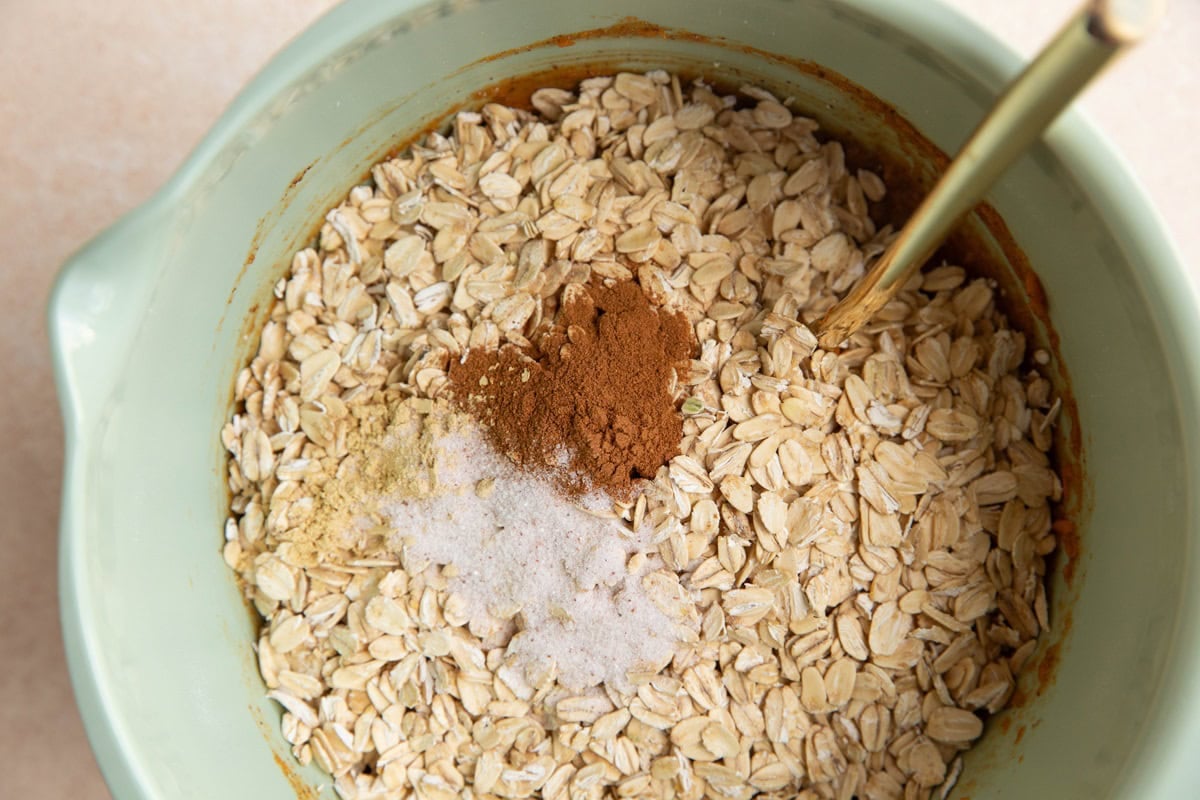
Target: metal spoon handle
(1076,54)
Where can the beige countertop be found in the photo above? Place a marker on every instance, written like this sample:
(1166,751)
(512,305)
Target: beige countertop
(101,101)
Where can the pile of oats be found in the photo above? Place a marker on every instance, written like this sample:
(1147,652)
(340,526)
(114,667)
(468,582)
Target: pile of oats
(861,533)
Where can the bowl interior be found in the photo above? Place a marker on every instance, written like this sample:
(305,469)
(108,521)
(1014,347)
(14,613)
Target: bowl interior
(159,639)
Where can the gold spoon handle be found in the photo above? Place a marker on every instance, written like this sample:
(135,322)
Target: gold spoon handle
(1072,58)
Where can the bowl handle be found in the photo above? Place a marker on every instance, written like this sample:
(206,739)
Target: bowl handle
(99,300)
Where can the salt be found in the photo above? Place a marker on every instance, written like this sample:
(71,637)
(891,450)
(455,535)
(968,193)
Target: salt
(534,566)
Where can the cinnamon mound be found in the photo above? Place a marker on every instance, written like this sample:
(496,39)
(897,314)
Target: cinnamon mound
(591,397)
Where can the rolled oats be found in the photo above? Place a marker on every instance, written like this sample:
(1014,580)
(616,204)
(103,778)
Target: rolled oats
(862,533)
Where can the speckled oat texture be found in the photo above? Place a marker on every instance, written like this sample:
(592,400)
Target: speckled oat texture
(850,543)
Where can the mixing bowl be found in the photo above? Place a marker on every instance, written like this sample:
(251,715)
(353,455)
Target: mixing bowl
(151,321)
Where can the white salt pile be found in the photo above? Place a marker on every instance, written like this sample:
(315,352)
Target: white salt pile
(533,566)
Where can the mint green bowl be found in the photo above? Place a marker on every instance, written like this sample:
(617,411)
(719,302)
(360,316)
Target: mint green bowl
(151,321)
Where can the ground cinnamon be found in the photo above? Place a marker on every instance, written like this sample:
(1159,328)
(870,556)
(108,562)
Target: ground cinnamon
(591,397)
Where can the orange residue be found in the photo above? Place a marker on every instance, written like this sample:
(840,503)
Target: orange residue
(300,786)
(259,231)
(628,26)
(1068,620)
(1020,735)
(1046,667)
(1068,540)
(299,176)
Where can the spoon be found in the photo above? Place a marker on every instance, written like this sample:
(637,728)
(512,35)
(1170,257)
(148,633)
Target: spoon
(1089,41)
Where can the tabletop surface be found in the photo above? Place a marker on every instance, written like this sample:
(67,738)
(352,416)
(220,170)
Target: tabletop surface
(99,103)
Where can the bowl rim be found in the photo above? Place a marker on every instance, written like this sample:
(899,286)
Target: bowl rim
(1117,196)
